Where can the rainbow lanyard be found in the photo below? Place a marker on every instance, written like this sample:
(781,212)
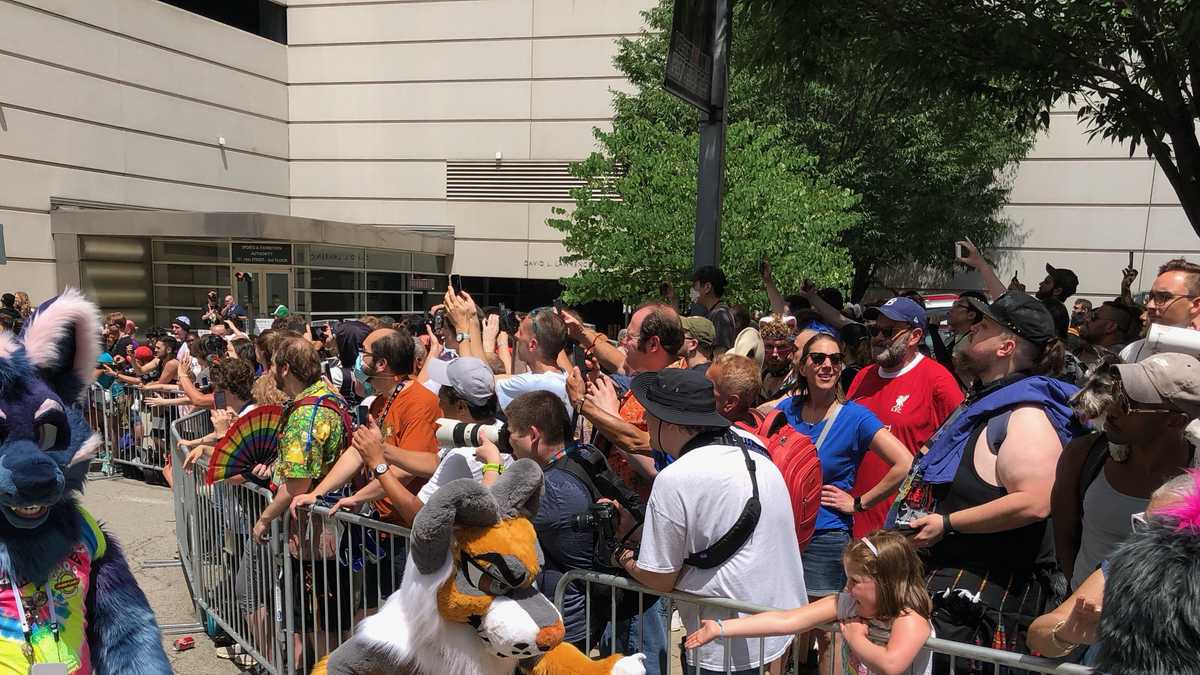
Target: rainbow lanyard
(26,627)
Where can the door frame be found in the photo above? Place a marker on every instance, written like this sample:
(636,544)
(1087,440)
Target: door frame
(260,302)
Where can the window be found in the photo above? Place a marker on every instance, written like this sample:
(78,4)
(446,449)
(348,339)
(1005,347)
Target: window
(261,17)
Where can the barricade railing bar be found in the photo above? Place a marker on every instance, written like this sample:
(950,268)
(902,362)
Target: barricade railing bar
(134,433)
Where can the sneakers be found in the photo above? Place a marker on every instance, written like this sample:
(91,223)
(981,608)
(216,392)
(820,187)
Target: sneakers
(237,655)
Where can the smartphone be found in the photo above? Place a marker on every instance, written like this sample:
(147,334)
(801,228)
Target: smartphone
(456,284)
(1131,260)
(219,400)
(960,251)
(362,415)
(559,305)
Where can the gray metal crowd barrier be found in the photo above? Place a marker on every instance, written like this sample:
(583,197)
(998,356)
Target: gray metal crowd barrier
(955,651)
(134,433)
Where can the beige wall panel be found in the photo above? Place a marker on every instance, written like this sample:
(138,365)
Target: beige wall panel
(1099,271)
(409,21)
(490,258)
(431,213)
(35,278)
(423,102)
(1067,139)
(53,139)
(544,261)
(588,17)
(409,62)
(1115,227)
(1163,192)
(1082,182)
(575,57)
(575,99)
(1171,231)
(48,38)
(488,220)
(538,213)
(450,140)
(162,24)
(421,180)
(555,139)
(27,235)
(63,92)
(30,185)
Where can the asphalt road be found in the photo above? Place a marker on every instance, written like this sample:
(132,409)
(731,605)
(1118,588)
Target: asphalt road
(142,518)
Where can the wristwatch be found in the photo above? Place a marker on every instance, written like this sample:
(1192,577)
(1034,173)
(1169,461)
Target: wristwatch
(858,505)
(462,337)
(380,469)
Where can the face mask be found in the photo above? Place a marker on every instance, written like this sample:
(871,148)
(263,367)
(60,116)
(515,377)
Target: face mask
(362,378)
(694,295)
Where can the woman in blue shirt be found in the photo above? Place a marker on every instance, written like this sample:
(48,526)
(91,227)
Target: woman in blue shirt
(815,404)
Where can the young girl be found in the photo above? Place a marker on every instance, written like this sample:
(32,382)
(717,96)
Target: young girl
(884,612)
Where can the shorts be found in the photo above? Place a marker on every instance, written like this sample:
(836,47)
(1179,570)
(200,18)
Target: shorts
(824,573)
(251,581)
(322,595)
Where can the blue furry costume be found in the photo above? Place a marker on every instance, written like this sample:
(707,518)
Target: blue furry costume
(79,603)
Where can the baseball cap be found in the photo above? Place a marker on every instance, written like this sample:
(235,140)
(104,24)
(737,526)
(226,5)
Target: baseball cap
(143,353)
(1165,380)
(471,379)
(904,310)
(1064,279)
(700,328)
(1021,313)
(280,312)
(679,396)
(183,321)
(105,358)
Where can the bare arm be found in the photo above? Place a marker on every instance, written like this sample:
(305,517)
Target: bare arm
(995,287)
(1064,502)
(828,314)
(781,622)
(611,359)
(892,451)
(778,303)
(909,633)
(1079,616)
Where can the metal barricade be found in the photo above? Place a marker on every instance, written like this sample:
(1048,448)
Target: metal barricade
(341,568)
(134,434)
(980,656)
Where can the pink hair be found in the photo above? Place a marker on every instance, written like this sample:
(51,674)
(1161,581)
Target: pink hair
(1186,512)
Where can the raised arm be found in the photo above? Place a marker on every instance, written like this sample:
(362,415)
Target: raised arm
(995,287)
(782,622)
(778,303)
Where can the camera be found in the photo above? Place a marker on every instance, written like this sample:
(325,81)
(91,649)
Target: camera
(589,465)
(454,434)
(599,517)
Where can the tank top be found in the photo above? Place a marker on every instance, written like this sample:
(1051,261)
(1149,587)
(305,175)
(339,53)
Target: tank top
(1105,525)
(1019,550)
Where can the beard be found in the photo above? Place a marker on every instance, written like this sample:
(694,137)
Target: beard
(1044,295)
(892,356)
(776,368)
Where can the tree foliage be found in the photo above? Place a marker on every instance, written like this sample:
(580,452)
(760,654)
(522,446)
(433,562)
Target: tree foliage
(924,166)
(1129,67)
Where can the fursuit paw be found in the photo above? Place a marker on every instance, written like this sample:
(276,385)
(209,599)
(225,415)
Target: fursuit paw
(630,665)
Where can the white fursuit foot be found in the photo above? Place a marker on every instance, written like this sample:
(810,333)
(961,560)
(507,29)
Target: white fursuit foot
(630,665)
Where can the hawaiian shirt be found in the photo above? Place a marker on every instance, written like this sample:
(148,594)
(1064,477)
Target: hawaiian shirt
(302,455)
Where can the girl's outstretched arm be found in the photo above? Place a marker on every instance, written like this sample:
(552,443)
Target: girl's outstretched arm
(909,633)
(783,622)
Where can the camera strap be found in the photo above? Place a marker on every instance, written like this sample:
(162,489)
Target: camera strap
(724,548)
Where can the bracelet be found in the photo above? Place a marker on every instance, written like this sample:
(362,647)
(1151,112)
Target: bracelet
(1067,647)
(947,528)
(858,505)
(596,339)
(720,626)
(498,468)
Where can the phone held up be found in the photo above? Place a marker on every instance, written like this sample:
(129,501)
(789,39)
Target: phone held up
(219,402)
(362,415)
(456,284)
(960,251)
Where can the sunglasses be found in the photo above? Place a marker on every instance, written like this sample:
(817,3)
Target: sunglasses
(818,359)
(1138,522)
(889,333)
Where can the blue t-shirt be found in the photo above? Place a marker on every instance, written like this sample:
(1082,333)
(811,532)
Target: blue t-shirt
(841,452)
(563,497)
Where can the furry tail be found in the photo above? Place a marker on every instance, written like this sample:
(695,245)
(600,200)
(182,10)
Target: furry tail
(321,667)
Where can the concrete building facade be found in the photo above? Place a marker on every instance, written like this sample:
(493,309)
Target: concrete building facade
(444,117)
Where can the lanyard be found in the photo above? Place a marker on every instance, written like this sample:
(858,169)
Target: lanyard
(26,627)
(391,399)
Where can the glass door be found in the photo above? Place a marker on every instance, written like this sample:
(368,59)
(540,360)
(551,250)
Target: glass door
(261,290)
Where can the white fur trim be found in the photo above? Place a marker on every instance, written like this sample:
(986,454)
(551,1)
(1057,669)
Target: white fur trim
(8,345)
(87,451)
(71,311)
(46,407)
(630,665)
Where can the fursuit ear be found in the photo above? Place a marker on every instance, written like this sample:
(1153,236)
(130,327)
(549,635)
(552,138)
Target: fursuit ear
(462,502)
(519,491)
(62,342)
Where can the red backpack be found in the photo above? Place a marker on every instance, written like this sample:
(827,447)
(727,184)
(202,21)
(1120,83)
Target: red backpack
(796,458)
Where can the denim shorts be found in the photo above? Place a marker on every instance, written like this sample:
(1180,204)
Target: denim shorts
(824,573)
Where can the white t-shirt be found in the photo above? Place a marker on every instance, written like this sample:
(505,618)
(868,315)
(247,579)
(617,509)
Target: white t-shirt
(452,465)
(878,632)
(694,502)
(509,388)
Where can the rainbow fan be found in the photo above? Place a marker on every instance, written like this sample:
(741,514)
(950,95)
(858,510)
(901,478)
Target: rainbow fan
(253,439)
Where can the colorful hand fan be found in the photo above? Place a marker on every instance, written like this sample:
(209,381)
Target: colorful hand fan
(252,439)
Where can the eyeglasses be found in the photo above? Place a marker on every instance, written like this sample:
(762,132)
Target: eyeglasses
(888,333)
(492,574)
(1161,298)
(818,359)
(1138,522)
(366,353)
(782,348)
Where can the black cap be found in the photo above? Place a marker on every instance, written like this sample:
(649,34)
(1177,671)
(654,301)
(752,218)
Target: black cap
(1021,313)
(1064,279)
(679,396)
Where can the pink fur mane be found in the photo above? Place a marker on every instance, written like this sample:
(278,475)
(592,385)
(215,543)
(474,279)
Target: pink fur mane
(1186,513)
(43,336)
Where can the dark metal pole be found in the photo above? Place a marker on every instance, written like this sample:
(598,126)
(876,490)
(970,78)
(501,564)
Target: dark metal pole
(711,179)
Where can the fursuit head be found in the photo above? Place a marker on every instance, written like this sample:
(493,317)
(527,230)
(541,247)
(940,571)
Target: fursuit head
(1150,621)
(467,604)
(79,604)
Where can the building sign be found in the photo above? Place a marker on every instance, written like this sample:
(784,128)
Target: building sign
(262,254)
(421,284)
(689,58)
(336,256)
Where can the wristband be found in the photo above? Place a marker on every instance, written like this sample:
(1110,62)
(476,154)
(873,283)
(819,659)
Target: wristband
(858,505)
(720,626)
(947,528)
(498,468)
(596,339)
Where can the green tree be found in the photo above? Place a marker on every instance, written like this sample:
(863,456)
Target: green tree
(1129,67)
(924,166)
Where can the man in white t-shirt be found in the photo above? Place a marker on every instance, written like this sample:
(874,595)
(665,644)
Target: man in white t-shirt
(689,540)
(1173,300)
(540,339)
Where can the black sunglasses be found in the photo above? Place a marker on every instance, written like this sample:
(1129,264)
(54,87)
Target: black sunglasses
(888,333)
(818,359)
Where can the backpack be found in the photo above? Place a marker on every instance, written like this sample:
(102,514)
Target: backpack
(795,455)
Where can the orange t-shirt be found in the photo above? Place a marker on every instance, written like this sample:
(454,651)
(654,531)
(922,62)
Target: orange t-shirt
(410,424)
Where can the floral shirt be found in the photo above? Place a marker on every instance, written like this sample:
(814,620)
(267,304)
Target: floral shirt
(302,456)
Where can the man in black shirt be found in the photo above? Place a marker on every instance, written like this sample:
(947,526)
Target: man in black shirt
(708,287)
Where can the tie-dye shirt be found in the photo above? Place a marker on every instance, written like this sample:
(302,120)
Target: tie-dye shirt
(67,588)
(302,456)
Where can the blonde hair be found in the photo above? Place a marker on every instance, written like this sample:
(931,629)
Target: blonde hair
(23,305)
(896,568)
(739,375)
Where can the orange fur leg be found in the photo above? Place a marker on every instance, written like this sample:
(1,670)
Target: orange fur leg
(319,669)
(565,659)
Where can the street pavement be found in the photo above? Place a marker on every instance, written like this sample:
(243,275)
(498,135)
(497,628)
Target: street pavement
(142,518)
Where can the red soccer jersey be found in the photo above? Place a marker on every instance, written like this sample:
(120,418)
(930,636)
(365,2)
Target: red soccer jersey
(912,405)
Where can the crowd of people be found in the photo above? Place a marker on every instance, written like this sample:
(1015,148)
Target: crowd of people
(979,479)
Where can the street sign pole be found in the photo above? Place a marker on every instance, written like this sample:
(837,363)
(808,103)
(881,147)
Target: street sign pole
(710,181)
